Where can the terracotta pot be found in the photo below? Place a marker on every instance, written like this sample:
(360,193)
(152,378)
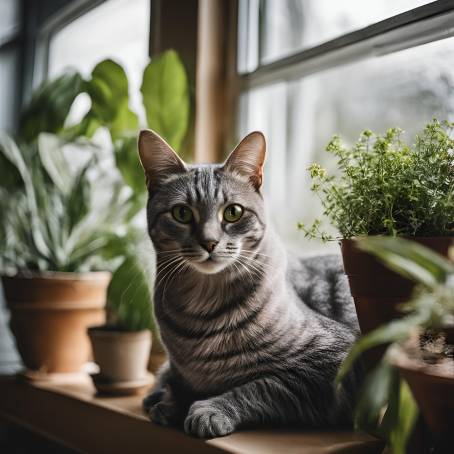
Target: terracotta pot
(122,356)
(433,389)
(50,313)
(378,291)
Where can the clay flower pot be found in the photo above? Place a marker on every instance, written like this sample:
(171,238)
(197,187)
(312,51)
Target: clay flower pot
(122,357)
(50,313)
(432,386)
(376,290)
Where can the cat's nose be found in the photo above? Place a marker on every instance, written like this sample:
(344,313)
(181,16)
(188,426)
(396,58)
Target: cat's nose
(209,245)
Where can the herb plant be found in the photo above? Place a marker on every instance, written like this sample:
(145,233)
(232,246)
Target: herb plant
(387,187)
(385,404)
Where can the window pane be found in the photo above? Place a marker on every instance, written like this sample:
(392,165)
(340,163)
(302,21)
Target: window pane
(405,89)
(288,26)
(9,19)
(9,60)
(117,29)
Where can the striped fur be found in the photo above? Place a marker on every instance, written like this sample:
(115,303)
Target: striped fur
(259,340)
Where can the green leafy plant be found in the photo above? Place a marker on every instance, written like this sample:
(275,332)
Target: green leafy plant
(60,214)
(385,405)
(129,297)
(386,187)
(63,207)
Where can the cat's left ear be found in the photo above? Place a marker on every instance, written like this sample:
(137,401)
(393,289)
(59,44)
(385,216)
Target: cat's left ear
(248,158)
(158,159)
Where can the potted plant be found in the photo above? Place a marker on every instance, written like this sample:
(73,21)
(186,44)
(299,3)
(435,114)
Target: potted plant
(66,209)
(386,187)
(422,350)
(122,347)
(60,219)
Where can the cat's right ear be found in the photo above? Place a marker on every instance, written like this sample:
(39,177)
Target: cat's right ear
(158,159)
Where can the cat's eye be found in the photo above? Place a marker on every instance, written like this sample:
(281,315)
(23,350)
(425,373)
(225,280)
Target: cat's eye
(233,213)
(182,213)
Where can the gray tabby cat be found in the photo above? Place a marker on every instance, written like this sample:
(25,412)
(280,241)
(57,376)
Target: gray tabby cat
(253,337)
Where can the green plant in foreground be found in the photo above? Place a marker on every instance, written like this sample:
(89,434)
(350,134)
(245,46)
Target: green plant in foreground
(386,187)
(385,404)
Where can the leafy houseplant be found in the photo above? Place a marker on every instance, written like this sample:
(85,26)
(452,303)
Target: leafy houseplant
(386,187)
(66,209)
(55,234)
(422,350)
(121,348)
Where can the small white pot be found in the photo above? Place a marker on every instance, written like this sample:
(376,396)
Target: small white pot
(122,356)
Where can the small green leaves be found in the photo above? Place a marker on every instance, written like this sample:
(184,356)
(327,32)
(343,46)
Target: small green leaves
(166,98)
(385,187)
(314,232)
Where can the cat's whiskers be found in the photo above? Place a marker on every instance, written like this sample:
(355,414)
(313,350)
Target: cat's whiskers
(251,276)
(255,253)
(168,272)
(250,260)
(253,269)
(168,264)
(178,269)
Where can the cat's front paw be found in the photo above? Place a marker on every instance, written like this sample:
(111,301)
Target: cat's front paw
(153,398)
(165,414)
(206,420)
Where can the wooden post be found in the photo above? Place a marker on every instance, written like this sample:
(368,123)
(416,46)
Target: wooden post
(215,75)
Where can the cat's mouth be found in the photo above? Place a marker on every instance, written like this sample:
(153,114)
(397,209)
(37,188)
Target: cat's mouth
(210,265)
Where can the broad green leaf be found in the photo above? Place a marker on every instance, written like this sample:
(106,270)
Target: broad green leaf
(166,98)
(9,174)
(125,123)
(55,163)
(374,397)
(78,201)
(13,154)
(408,413)
(409,259)
(129,296)
(394,331)
(108,90)
(86,127)
(127,161)
(50,106)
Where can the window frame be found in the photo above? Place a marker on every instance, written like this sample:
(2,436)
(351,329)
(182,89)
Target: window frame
(55,23)
(427,23)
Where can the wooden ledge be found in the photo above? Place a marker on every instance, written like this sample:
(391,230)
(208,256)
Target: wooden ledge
(72,415)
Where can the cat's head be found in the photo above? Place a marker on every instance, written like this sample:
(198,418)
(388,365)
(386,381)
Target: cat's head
(208,217)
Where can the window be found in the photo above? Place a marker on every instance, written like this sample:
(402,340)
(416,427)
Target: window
(9,63)
(117,29)
(399,74)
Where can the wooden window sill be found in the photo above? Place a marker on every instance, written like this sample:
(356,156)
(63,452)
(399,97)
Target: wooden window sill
(74,416)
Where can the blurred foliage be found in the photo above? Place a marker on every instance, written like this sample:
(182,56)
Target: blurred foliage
(63,208)
(50,106)
(385,404)
(386,187)
(130,287)
(167,105)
